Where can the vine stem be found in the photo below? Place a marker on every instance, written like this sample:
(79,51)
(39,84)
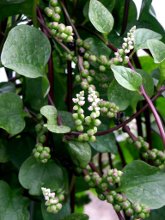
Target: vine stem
(152,107)
(132,136)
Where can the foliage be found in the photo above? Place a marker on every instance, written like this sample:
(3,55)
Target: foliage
(75,81)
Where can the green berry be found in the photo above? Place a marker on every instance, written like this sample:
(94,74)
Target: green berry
(54,3)
(110,199)
(56,17)
(117,207)
(92,138)
(129,212)
(92,58)
(101,196)
(102,68)
(57,9)
(48,12)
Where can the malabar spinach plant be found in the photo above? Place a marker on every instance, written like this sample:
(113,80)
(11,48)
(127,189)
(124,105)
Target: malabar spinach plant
(81,109)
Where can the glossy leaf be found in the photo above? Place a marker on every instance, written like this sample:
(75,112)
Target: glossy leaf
(26,51)
(6,87)
(50,113)
(97,47)
(80,153)
(105,143)
(34,175)
(144,184)
(157,49)
(142,35)
(12,204)
(100,17)
(11,113)
(127,78)
(14,7)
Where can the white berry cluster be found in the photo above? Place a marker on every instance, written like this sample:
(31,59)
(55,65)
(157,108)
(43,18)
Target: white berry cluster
(108,109)
(53,202)
(127,46)
(90,122)
(60,30)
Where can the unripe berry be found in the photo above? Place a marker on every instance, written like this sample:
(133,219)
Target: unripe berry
(57,9)
(142,215)
(110,199)
(97,122)
(61,197)
(117,208)
(87,178)
(39,148)
(86,64)
(53,3)
(59,206)
(129,212)
(48,12)
(102,68)
(56,17)
(69,39)
(92,138)
(78,122)
(38,127)
(42,138)
(92,58)
(101,196)
(61,27)
(79,42)
(79,128)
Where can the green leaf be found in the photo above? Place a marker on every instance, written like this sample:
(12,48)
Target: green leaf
(6,87)
(105,144)
(144,184)
(157,49)
(34,175)
(14,7)
(11,113)
(50,113)
(158,214)
(26,51)
(80,153)
(100,17)
(127,78)
(77,216)
(35,90)
(12,205)
(162,72)
(119,95)
(142,35)
(97,47)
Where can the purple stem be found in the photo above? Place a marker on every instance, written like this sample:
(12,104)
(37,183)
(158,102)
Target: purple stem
(152,107)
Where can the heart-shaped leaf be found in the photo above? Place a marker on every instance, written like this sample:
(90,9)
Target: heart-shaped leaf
(144,184)
(12,205)
(100,17)
(157,49)
(26,51)
(127,78)
(11,113)
(34,175)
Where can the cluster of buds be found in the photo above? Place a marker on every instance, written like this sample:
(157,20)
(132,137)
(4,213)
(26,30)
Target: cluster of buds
(91,122)
(83,47)
(140,143)
(121,203)
(40,152)
(108,109)
(121,56)
(156,156)
(60,30)
(105,186)
(53,201)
